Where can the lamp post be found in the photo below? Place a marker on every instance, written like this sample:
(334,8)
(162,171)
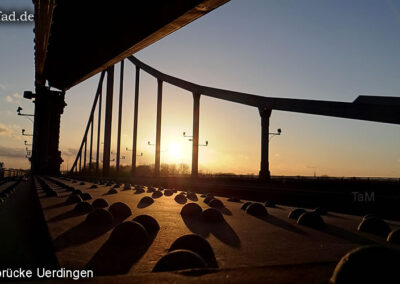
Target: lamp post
(24,114)
(273,134)
(129,150)
(23,133)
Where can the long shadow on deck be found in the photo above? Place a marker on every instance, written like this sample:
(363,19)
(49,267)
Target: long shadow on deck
(83,233)
(112,259)
(221,230)
(280,223)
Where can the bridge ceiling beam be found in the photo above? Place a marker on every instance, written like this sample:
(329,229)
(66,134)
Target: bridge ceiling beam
(76,39)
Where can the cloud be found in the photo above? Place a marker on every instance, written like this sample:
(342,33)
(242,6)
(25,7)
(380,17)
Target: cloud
(69,152)
(4,130)
(2,87)
(14,98)
(10,152)
(11,131)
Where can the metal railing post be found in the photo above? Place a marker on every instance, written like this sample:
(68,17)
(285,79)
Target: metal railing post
(135,121)
(91,144)
(121,93)
(265,114)
(158,129)
(108,121)
(98,134)
(195,145)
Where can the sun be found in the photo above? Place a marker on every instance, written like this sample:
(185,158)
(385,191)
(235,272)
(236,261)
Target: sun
(175,151)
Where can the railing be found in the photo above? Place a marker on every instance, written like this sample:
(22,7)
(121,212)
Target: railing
(378,109)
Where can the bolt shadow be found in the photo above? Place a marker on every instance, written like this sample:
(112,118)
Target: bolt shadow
(347,235)
(110,193)
(221,230)
(58,205)
(336,216)
(225,211)
(192,198)
(143,203)
(195,225)
(83,233)
(69,214)
(180,200)
(280,223)
(80,234)
(113,259)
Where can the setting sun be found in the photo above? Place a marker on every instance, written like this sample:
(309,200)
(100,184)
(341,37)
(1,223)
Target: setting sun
(175,151)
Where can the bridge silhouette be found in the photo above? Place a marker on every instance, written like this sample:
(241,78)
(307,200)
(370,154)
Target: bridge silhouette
(369,108)
(61,63)
(190,229)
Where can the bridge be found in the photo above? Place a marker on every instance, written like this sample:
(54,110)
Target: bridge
(233,230)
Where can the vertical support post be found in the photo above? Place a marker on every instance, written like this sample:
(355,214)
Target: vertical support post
(158,129)
(135,121)
(46,156)
(98,134)
(108,121)
(84,156)
(121,93)
(80,162)
(91,144)
(265,114)
(196,121)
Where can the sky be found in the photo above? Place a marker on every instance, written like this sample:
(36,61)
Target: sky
(312,49)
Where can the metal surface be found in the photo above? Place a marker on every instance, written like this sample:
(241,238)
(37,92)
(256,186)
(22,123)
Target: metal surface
(121,94)
(158,128)
(99,131)
(96,98)
(108,121)
(265,114)
(195,143)
(379,111)
(135,120)
(102,33)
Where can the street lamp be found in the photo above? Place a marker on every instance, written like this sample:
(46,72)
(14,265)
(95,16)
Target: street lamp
(205,145)
(184,135)
(127,149)
(23,133)
(191,139)
(24,114)
(150,144)
(273,134)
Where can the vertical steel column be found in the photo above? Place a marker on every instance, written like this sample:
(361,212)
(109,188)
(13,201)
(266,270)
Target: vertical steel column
(84,157)
(158,130)
(121,93)
(196,121)
(91,143)
(135,121)
(265,114)
(80,161)
(108,121)
(98,134)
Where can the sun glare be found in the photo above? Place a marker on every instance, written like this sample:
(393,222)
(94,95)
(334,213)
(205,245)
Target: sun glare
(175,151)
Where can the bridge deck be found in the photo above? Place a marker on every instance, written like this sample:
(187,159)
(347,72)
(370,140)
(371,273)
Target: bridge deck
(268,248)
